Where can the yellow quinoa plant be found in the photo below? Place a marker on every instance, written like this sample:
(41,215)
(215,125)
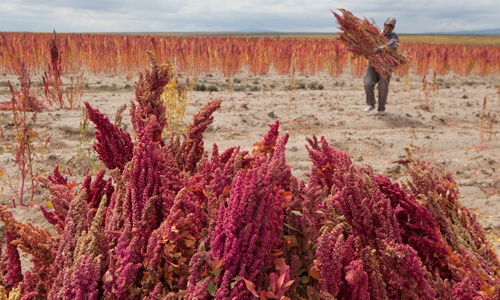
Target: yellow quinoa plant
(175,98)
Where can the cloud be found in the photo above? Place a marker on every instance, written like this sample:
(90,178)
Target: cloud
(223,15)
(429,15)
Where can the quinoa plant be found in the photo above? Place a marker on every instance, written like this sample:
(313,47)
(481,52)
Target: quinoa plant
(26,145)
(485,126)
(74,92)
(291,89)
(425,89)
(119,116)
(52,81)
(175,98)
(55,92)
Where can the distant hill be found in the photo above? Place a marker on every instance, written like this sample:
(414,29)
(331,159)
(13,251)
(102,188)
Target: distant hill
(495,31)
(256,30)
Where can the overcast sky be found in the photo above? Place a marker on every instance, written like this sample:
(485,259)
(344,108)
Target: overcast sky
(413,16)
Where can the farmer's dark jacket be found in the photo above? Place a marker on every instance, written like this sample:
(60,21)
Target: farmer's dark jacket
(393,40)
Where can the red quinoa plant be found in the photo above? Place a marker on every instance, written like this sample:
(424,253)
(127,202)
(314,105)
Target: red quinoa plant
(55,92)
(173,223)
(52,77)
(24,143)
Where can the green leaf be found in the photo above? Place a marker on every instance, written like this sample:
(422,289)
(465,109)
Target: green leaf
(312,292)
(233,284)
(201,281)
(320,213)
(235,281)
(181,294)
(216,272)
(211,288)
(308,245)
(202,247)
(297,213)
(290,227)
(265,269)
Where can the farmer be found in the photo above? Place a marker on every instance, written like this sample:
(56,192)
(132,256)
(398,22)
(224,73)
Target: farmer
(372,77)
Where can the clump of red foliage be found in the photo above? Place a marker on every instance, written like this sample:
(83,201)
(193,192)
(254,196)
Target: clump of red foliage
(172,223)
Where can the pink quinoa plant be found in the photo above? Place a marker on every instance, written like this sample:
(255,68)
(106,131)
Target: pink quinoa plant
(114,146)
(148,92)
(14,274)
(386,232)
(52,82)
(190,151)
(249,227)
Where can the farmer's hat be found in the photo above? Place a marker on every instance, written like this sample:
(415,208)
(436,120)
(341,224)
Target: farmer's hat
(390,21)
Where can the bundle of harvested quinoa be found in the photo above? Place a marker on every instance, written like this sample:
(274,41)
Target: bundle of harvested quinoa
(361,37)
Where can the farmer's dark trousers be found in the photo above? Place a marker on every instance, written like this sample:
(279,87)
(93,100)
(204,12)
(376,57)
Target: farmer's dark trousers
(371,78)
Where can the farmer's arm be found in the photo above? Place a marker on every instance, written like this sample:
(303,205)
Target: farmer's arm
(392,44)
(393,41)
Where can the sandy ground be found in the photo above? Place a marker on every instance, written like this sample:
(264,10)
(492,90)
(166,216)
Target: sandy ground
(450,133)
